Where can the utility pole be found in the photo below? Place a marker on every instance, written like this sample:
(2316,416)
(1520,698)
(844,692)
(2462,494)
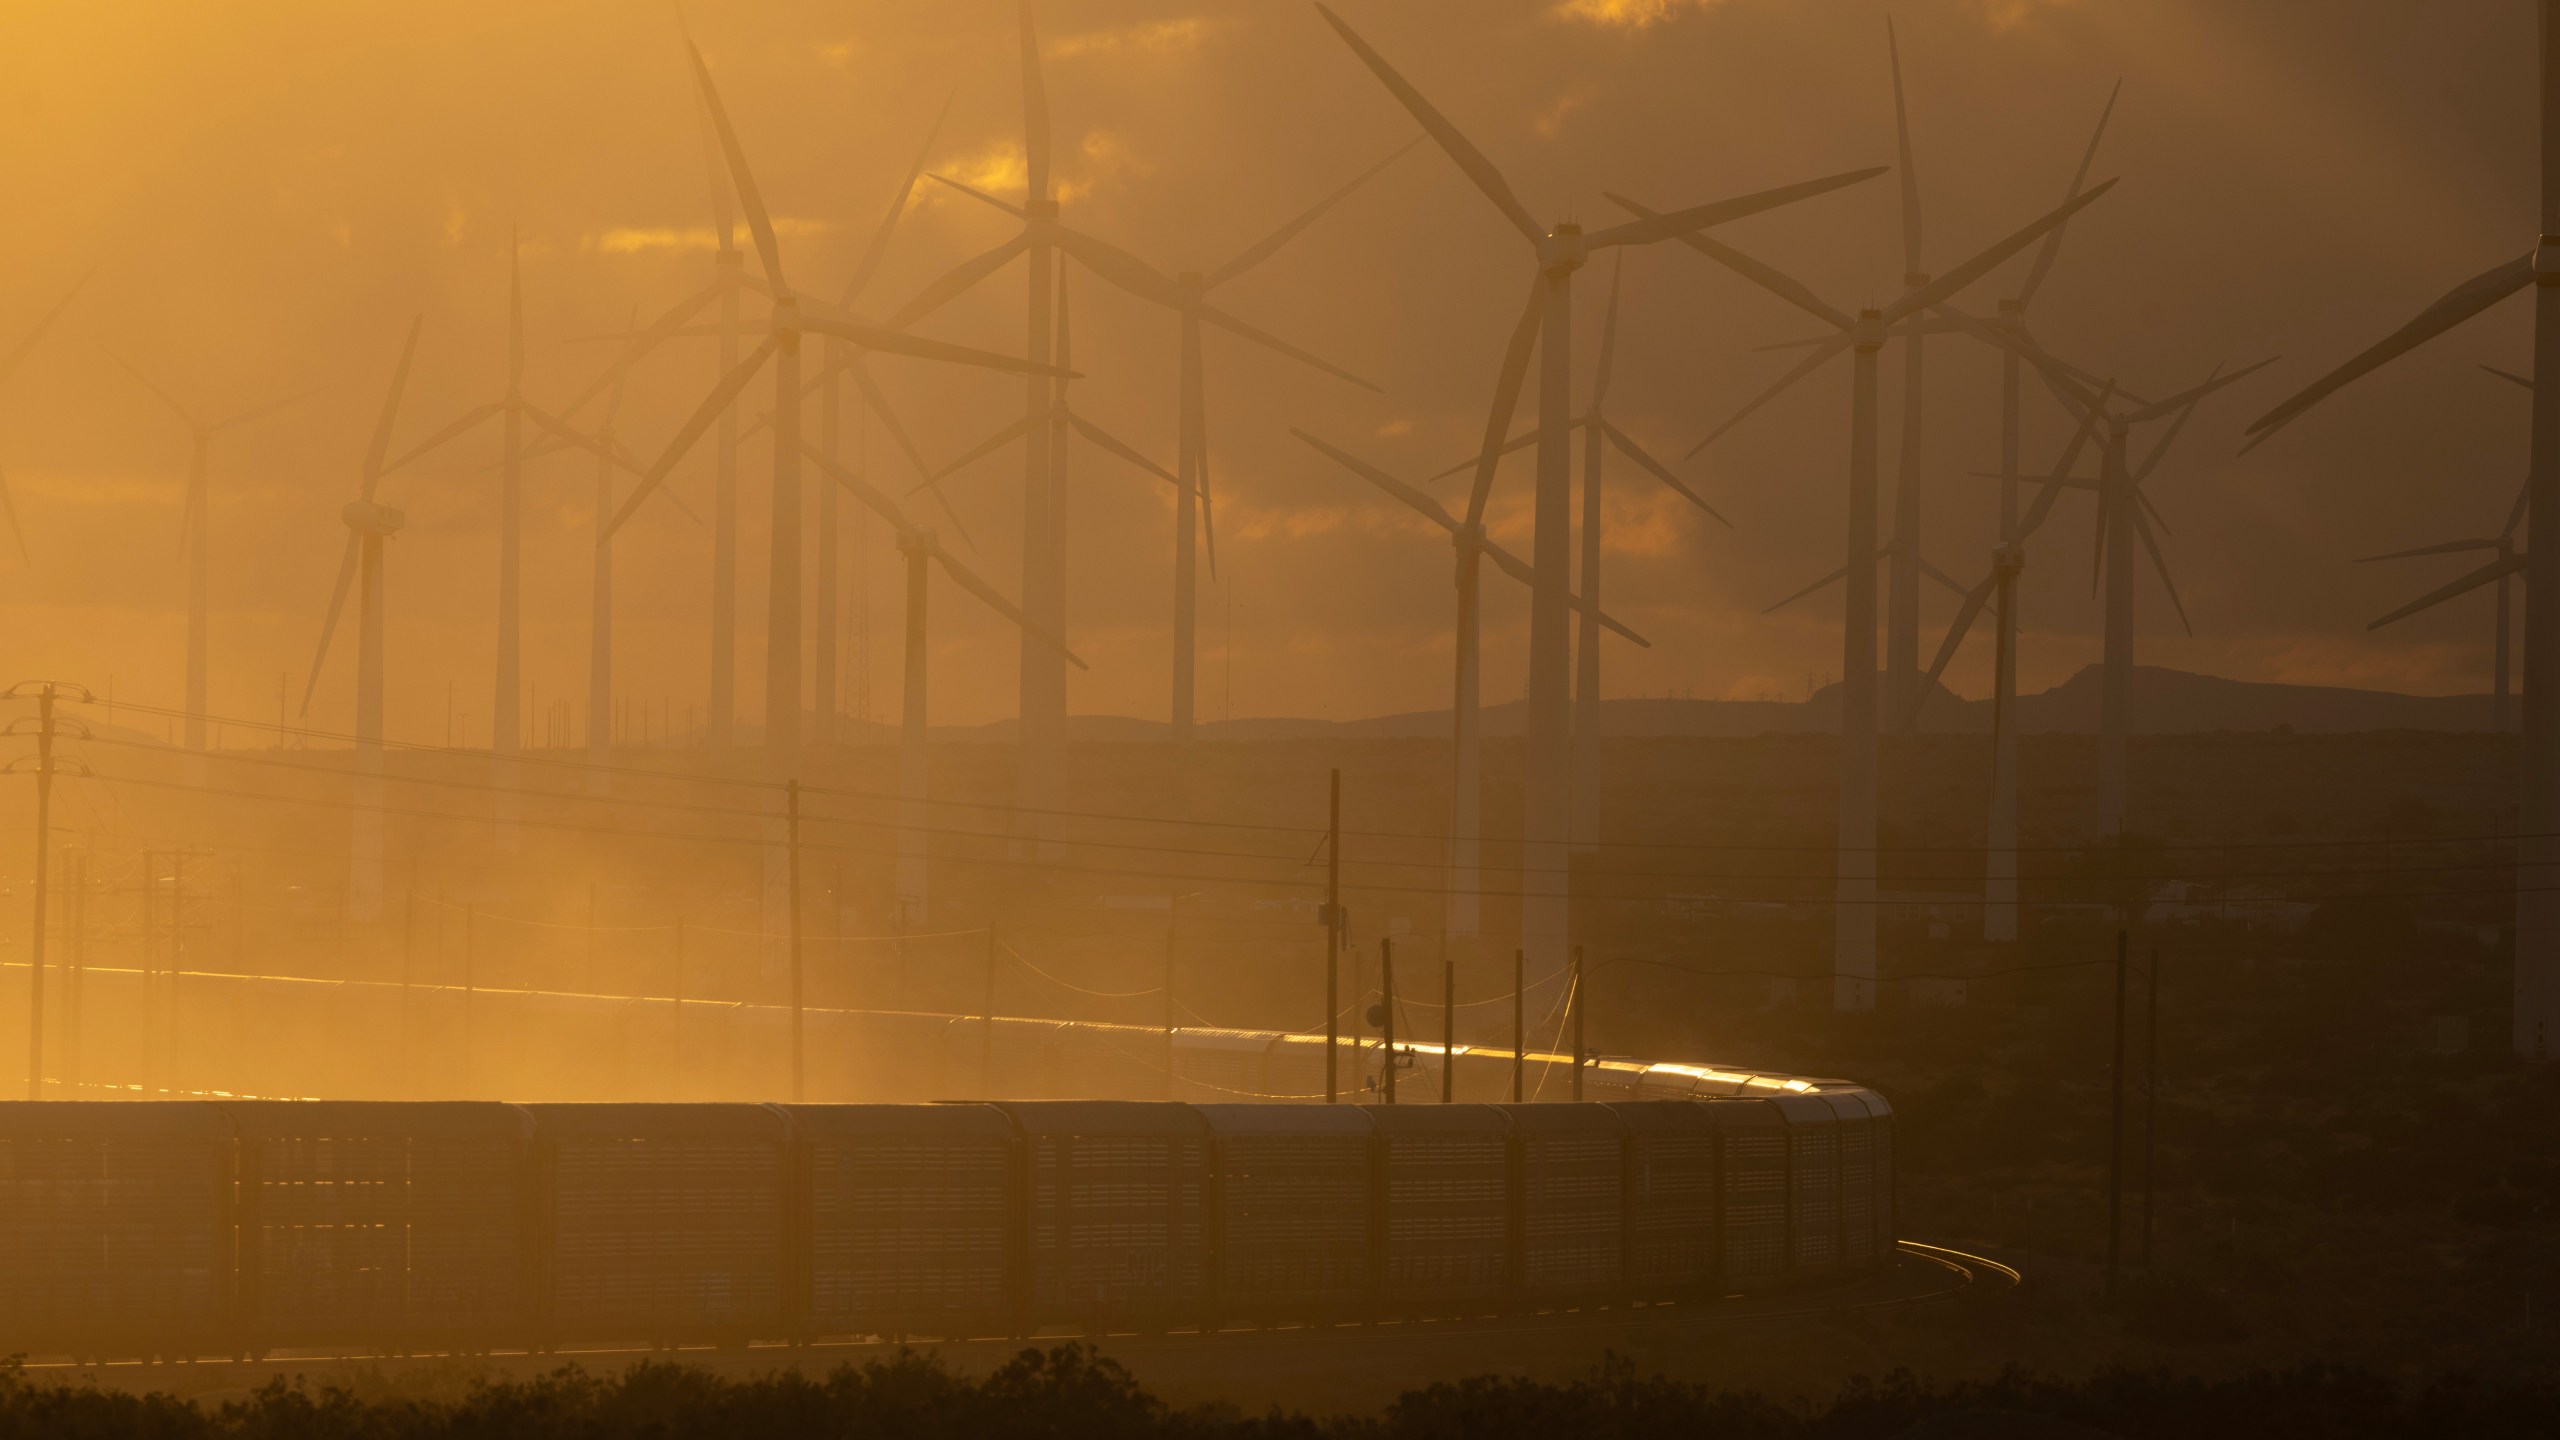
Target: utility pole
(76,866)
(1448,1030)
(791,796)
(45,692)
(675,1026)
(470,953)
(2150,1097)
(2115,1133)
(987,1034)
(1387,1024)
(1333,943)
(1573,1002)
(408,967)
(1519,1020)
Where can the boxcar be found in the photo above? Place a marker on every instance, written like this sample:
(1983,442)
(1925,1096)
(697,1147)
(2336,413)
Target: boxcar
(1448,1222)
(390,1225)
(1672,1213)
(1860,1221)
(1813,1185)
(115,1228)
(1751,1167)
(1116,1233)
(908,1221)
(1572,1162)
(1290,1231)
(665,1223)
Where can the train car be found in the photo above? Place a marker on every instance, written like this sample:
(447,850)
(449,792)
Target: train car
(1290,1219)
(1670,1191)
(1116,1232)
(664,1224)
(396,1227)
(1856,1127)
(1571,1200)
(1753,1240)
(115,1229)
(1813,1186)
(1446,1214)
(907,1223)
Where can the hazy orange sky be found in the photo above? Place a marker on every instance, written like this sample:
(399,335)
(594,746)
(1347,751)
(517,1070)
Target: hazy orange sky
(268,191)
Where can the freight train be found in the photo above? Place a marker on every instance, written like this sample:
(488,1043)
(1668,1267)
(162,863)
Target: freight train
(181,1229)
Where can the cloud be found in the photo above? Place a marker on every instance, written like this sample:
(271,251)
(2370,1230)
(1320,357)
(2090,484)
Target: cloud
(1178,36)
(643,239)
(2010,14)
(1549,121)
(1617,14)
(1000,168)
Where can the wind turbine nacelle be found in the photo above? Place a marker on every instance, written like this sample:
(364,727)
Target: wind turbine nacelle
(366,518)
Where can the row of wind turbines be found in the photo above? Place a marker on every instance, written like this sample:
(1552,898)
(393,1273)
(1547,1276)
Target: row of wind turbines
(1560,824)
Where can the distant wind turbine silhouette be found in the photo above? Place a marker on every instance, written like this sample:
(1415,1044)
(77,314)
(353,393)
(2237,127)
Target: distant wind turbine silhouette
(2502,572)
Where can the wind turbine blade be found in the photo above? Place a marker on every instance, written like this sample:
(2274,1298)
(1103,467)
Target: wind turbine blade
(1834,578)
(979,452)
(863,490)
(381,443)
(2169,436)
(2515,512)
(2186,399)
(2509,376)
(878,249)
(1521,441)
(2160,563)
(1121,268)
(9,506)
(27,345)
(515,313)
(164,396)
(2457,305)
(2042,505)
(955,282)
(994,598)
(982,197)
(2052,246)
(2450,547)
(878,404)
(263,411)
(749,198)
(2497,569)
(723,223)
(640,344)
(576,439)
(1264,248)
(721,397)
(1208,511)
(1767,277)
(1815,361)
(2152,509)
(1946,287)
(1506,397)
(1519,569)
(1469,159)
(1035,111)
(1909,172)
(1428,507)
(2058,378)
(1608,335)
(885,341)
(1113,444)
(329,622)
(471,418)
(1229,323)
(1970,611)
(1679,223)
(982,449)
(1931,324)
(1941,576)
(1629,448)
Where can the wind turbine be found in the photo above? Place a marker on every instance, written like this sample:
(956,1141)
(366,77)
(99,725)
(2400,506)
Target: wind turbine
(1186,294)
(1466,785)
(1062,422)
(2502,571)
(368,526)
(1598,433)
(1547,324)
(789,319)
(2124,515)
(8,367)
(1854,868)
(600,610)
(922,549)
(193,525)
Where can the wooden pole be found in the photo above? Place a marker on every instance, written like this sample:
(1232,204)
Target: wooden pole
(675,1028)
(44,829)
(1519,1021)
(987,1033)
(1448,1031)
(2150,1097)
(791,796)
(1574,1002)
(1333,945)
